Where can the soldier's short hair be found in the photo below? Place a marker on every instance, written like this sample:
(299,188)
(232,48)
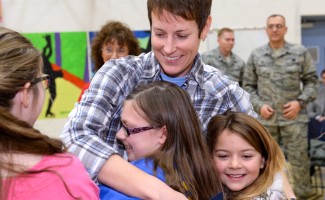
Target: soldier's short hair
(223,30)
(276,15)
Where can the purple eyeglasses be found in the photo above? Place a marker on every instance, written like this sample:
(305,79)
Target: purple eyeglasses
(130,131)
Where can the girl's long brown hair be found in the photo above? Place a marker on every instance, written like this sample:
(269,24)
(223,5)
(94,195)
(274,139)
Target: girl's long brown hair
(184,156)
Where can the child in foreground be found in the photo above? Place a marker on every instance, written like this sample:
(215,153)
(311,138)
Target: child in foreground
(162,136)
(32,165)
(249,162)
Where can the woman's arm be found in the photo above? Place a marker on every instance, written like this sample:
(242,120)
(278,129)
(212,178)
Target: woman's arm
(124,177)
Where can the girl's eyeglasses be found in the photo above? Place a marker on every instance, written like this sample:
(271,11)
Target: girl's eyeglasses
(130,131)
(44,79)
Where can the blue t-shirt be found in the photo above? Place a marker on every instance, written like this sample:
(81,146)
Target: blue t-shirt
(219,196)
(177,80)
(146,165)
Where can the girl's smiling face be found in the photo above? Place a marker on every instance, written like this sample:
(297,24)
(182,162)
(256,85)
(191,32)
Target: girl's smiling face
(143,143)
(237,162)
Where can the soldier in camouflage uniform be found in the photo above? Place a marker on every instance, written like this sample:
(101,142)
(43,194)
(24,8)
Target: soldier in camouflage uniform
(282,79)
(222,57)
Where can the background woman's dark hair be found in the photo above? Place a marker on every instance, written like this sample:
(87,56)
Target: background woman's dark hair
(113,30)
(20,63)
(184,156)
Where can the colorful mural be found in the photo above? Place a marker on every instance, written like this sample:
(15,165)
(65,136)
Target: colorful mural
(66,58)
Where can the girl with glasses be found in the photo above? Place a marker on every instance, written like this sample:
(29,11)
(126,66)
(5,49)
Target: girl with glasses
(162,136)
(32,165)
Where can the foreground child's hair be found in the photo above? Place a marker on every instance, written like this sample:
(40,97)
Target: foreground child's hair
(184,156)
(256,135)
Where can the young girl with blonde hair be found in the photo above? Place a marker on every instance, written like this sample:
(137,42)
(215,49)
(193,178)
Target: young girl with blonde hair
(248,160)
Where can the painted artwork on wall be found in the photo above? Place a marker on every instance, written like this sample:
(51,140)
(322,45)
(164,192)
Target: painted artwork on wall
(66,57)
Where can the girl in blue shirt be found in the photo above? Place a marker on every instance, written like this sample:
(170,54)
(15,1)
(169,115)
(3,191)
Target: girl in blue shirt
(162,136)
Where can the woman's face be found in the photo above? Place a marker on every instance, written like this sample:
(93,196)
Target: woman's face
(237,162)
(175,43)
(143,143)
(113,51)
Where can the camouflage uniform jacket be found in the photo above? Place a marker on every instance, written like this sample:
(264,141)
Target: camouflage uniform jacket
(234,69)
(277,78)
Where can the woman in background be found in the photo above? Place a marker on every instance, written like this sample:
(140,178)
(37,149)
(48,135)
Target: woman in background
(32,165)
(114,40)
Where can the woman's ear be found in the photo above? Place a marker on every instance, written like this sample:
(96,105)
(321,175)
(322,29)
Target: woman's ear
(205,30)
(262,163)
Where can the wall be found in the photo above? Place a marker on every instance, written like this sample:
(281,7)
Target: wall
(312,7)
(252,14)
(72,15)
(89,15)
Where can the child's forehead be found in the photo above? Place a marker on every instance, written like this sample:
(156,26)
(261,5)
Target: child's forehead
(231,136)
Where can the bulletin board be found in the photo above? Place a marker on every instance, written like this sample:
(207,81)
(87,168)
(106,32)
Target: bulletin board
(246,40)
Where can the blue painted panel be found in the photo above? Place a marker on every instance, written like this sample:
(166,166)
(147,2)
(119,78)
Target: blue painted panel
(315,37)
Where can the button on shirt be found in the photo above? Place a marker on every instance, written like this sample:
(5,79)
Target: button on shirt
(93,123)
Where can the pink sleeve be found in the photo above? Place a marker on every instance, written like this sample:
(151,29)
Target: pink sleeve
(63,177)
(78,180)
